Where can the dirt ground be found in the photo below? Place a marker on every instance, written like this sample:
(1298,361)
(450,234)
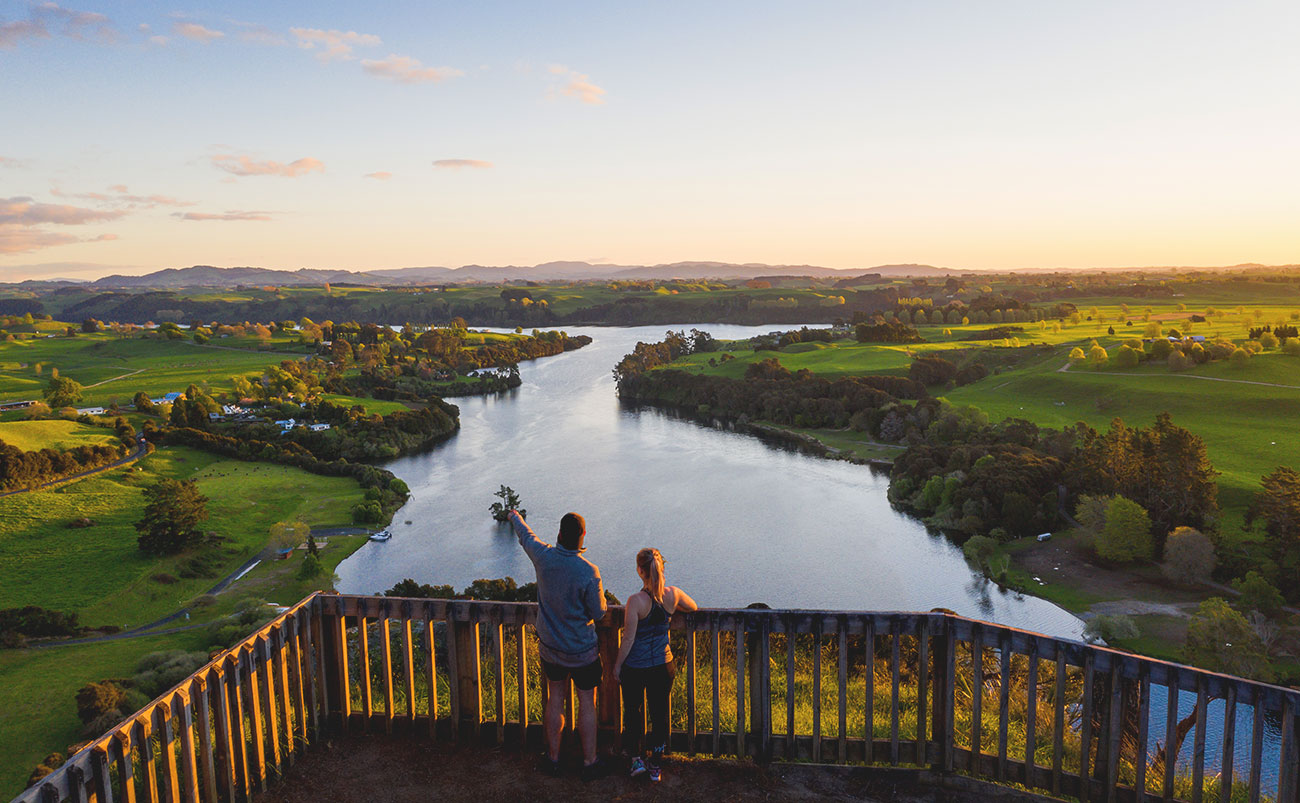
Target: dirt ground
(375,769)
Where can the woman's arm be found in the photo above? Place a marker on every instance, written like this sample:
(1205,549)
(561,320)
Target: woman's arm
(682,601)
(631,614)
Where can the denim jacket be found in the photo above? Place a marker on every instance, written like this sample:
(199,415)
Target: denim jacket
(570,596)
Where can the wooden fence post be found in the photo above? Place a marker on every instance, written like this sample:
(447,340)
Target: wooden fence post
(468,676)
(608,698)
(942,686)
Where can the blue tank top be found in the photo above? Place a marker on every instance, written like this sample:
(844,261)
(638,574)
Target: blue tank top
(650,648)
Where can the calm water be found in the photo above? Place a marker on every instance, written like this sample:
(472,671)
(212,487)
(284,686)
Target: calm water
(738,521)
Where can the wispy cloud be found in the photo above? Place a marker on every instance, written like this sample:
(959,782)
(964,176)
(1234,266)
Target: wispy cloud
(118,195)
(49,19)
(381,175)
(22,210)
(247,166)
(407,70)
(256,34)
(456,164)
(21,219)
(577,85)
(196,32)
(231,214)
(6,161)
(330,45)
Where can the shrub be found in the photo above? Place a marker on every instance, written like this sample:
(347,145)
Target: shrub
(96,699)
(1258,594)
(1110,628)
(1291,347)
(1239,358)
(310,568)
(1126,357)
(159,671)
(978,549)
(1189,556)
(1126,536)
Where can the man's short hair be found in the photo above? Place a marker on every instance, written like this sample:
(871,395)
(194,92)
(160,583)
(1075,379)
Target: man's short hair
(572,530)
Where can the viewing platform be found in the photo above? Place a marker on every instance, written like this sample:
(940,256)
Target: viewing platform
(933,704)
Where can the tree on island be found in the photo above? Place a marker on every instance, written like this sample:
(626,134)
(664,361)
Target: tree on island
(509,501)
(171,517)
(62,392)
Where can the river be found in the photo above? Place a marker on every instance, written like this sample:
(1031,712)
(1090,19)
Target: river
(737,520)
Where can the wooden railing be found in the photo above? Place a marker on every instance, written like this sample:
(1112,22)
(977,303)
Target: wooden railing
(932,691)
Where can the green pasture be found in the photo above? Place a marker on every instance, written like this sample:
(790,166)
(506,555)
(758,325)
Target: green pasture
(99,573)
(113,368)
(38,689)
(378,406)
(56,434)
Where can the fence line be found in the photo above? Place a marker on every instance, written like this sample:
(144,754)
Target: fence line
(924,690)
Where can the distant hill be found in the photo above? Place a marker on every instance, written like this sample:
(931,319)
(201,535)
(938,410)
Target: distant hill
(209,276)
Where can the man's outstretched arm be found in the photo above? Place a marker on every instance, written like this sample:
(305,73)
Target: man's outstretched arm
(527,538)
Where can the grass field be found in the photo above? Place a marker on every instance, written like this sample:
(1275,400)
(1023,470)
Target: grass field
(37,695)
(114,369)
(98,571)
(377,406)
(55,434)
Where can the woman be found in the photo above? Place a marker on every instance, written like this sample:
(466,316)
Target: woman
(645,662)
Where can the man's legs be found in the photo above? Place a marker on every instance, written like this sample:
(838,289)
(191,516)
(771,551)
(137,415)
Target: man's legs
(555,690)
(587,724)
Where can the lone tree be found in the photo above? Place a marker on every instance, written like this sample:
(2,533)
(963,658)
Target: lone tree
(171,517)
(1221,640)
(1277,506)
(1126,535)
(62,392)
(509,501)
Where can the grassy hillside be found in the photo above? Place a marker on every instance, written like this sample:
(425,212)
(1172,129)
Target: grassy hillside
(98,571)
(54,434)
(113,368)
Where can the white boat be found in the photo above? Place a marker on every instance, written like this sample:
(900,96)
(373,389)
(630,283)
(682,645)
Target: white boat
(382,535)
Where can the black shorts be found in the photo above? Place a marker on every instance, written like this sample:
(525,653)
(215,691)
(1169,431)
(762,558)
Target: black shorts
(584,677)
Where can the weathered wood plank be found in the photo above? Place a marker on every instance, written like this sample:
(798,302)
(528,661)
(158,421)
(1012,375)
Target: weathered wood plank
(497,632)
(1144,715)
(101,776)
(1229,742)
(692,727)
(1115,725)
(1031,706)
(741,748)
(1171,731)
(1058,724)
(948,733)
(1004,701)
(199,693)
(521,676)
(468,675)
(143,738)
(1288,773)
(1198,742)
(714,631)
(386,663)
(817,690)
(367,696)
(189,764)
(791,749)
(281,688)
(1085,741)
(841,688)
(266,691)
(408,664)
(922,685)
(126,764)
(977,696)
(895,669)
(256,719)
(431,682)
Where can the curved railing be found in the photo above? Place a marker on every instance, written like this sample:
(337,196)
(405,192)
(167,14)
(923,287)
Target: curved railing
(944,695)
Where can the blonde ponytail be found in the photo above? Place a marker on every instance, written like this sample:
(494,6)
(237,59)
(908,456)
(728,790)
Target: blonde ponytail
(651,564)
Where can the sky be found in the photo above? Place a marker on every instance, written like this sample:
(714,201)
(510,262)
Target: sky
(997,135)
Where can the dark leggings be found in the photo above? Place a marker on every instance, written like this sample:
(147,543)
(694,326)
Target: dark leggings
(650,686)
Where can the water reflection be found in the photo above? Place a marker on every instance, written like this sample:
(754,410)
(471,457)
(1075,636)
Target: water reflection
(739,520)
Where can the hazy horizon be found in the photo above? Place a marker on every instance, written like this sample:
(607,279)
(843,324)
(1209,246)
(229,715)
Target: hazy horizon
(1004,136)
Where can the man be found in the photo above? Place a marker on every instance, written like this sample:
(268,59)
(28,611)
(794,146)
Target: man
(570,602)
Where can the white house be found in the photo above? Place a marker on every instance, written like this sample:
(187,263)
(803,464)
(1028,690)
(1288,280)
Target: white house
(319,427)
(286,423)
(90,410)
